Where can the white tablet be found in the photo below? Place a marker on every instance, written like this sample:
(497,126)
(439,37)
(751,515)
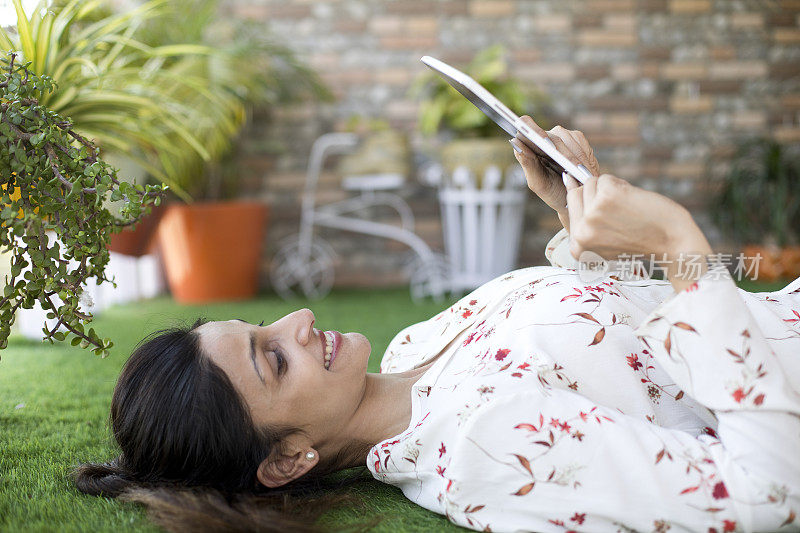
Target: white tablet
(504,117)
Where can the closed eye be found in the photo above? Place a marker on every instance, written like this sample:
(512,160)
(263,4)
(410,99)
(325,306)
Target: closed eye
(280,360)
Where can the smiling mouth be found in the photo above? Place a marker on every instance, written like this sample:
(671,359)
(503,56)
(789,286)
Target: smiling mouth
(331,347)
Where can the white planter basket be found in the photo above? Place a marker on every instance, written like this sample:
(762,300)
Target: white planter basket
(482,222)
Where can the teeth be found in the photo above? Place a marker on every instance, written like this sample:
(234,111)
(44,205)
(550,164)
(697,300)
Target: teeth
(328,349)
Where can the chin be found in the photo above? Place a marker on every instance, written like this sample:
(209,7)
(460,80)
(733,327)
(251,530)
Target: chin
(360,347)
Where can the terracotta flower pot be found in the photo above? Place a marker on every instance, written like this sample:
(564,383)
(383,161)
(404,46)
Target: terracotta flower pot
(770,267)
(212,251)
(137,241)
(790,261)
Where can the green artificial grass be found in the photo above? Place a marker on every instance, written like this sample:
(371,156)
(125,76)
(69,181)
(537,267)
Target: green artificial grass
(54,402)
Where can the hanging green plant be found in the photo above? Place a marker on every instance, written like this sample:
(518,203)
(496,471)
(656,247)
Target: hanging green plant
(54,221)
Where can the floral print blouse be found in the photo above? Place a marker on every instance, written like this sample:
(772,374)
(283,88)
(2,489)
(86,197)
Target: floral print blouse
(558,405)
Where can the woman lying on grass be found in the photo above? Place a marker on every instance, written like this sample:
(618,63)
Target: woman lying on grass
(538,402)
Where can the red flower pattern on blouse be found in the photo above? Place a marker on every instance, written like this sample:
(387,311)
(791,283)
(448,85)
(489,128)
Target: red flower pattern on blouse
(552,455)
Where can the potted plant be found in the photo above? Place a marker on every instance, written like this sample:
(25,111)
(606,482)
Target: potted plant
(165,93)
(54,217)
(132,99)
(759,205)
(471,138)
(481,193)
(212,247)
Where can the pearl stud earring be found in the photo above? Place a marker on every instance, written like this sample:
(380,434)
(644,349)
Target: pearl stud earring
(310,456)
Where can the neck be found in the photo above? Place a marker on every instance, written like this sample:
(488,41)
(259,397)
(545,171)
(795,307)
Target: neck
(384,411)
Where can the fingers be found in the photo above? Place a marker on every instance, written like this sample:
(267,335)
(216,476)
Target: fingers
(534,126)
(565,151)
(521,149)
(574,197)
(525,157)
(565,143)
(576,154)
(576,142)
(589,191)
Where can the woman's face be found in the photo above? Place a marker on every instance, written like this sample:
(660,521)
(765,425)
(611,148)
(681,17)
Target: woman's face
(280,371)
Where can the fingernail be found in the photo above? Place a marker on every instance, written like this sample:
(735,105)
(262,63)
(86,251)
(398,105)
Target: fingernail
(585,171)
(569,181)
(514,145)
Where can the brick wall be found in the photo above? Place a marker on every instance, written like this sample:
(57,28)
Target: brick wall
(663,89)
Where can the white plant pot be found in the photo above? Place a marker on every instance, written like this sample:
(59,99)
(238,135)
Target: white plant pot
(481,225)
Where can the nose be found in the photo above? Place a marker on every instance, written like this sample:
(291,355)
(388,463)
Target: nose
(305,321)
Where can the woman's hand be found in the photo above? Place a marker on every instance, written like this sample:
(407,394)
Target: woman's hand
(545,182)
(610,217)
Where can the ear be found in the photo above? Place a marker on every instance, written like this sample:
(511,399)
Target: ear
(279,469)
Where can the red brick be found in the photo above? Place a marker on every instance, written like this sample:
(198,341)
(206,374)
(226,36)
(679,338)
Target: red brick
(723,151)
(738,69)
(625,103)
(526,55)
(394,76)
(607,6)
(691,105)
(457,57)
(722,52)
(349,77)
(747,20)
(787,35)
(608,38)
(625,71)
(288,11)
(251,12)
(754,120)
(782,18)
(652,6)
(409,7)
(451,7)
(383,25)
(588,121)
(491,8)
(592,72)
(409,42)
(690,7)
(422,26)
(347,25)
(683,71)
(550,72)
(784,70)
(685,169)
(719,86)
(586,20)
(787,134)
(611,139)
(622,21)
(655,52)
(656,152)
(556,22)
(623,122)
(791,101)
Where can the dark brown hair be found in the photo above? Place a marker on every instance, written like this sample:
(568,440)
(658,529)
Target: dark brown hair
(190,450)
